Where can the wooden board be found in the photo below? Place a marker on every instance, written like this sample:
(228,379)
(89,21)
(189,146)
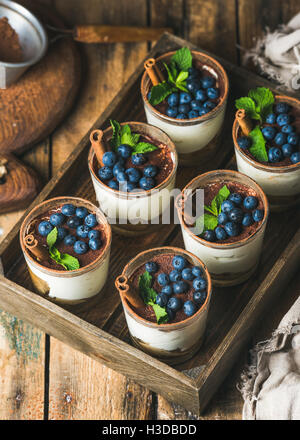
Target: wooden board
(32,107)
(101,328)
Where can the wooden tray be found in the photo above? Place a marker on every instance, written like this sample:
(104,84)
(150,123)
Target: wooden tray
(101,332)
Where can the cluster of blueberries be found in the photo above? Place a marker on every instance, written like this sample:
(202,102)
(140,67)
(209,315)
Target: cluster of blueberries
(175,282)
(233,217)
(279,131)
(116,176)
(199,100)
(78,219)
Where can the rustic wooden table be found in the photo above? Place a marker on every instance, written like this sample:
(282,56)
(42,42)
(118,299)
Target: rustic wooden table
(40,377)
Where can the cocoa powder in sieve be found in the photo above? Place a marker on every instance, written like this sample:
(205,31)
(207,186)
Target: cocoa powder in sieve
(10,48)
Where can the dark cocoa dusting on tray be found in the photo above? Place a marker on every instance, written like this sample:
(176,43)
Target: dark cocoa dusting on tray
(165,265)
(211,190)
(84,259)
(10,48)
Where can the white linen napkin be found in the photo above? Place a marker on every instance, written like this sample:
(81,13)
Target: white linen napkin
(270,385)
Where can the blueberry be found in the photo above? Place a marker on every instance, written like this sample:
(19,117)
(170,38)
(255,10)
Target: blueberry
(182,116)
(282,107)
(94,234)
(109,158)
(280,138)
(68,209)
(90,220)
(150,171)
(138,159)
(81,212)
(271,118)
(180,287)
(201,95)
(69,240)
(162,299)
(147,183)
(175,275)
(193,72)
(82,231)
(74,222)
(268,132)
(173,99)
(199,283)
(247,220)
(189,308)
(213,93)
(287,128)
(197,271)
(179,262)
(113,184)
(121,176)
(184,108)
(133,174)
(235,215)
(208,81)
(209,105)
(222,218)
(172,112)
(193,114)
(174,304)
(209,235)
(287,150)
(95,244)
(275,155)
(57,219)
(151,267)
(293,139)
(184,98)
(167,290)
(227,206)
(61,233)
(283,119)
(128,187)
(171,314)
(244,142)
(250,202)
(105,173)
(119,167)
(220,233)
(258,215)
(199,297)
(124,151)
(232,229)
(80,247)
(195,105)
(193,85)
(163,279)
(236,198)
(187,274)
(295,157)
(203,111)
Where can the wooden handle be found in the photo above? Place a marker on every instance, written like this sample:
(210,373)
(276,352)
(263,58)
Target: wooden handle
(98,145)
(117,34)
(128,291)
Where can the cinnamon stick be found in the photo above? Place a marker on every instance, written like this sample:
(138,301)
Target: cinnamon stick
(244,121)
(39,251)
(152,71)
(129,291)
(98,145)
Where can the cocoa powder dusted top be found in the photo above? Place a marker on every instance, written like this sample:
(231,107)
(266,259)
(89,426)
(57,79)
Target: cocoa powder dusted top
(10,48)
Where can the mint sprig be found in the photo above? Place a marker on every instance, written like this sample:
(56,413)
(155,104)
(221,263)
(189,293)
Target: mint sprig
(123,135)
(209,220)
(177,71)
(257,104)
(149,295)
(258,146)
(67,261)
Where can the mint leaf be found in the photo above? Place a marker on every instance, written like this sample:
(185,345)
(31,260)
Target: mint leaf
(160,313)
(52,237)
(126,136)
(264,100)
(182,76)
(71,262)
(249,106)
(182,58)
(172,73)
(149,295)
(144,147)
(160,92)
(258,147)
(116,138)
(220,198)
(208,221)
